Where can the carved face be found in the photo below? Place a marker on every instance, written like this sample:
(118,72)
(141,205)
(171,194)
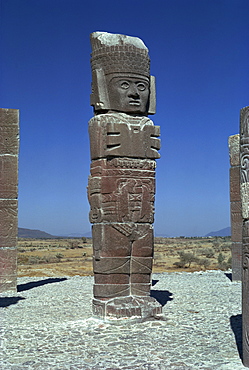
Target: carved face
(129,94)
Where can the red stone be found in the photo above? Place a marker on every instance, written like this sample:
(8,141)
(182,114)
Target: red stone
(8,176)
(8,223)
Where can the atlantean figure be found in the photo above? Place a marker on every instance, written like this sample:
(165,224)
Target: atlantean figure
(9,150)
(235,206)
(244,190)
(124,145)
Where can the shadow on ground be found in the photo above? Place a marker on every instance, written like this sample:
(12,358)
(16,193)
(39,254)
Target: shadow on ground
(8,301)
(236,325)
(229,276)
(35,284)
(162,296)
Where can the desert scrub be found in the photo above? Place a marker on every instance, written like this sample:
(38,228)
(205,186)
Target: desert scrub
(207,252)
(203,262)
(186,258)
(59,256)
(222,263)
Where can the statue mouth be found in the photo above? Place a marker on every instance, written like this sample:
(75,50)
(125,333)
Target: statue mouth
(134,102)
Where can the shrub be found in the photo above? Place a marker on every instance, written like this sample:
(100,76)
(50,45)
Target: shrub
(186,258)
(207,252)
(221,258)
(33,260)
(59,256)
(203,262)
(224,265)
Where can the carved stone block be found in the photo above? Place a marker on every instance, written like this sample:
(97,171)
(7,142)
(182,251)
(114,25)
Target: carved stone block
(8,258)
(235,184)
(236,222)
(236,261)
(8,176)
(111,136)
(9,131)
(8,269)
(8,283)
(8,223)
(234,150)
(138,308)
(118,194)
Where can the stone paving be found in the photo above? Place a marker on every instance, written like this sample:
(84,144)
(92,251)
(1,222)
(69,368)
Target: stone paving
(48,325)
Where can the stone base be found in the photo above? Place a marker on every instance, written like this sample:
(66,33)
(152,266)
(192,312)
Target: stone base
(131,307)
(8,269)
(8,284)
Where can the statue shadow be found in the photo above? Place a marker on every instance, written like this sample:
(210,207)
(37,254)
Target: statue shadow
(229,276)
(162,296)
(35,284)
(8,301)
(236,325)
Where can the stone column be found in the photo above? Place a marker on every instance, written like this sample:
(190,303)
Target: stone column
(235,206)
(124,145)
(244,189)
(9,149)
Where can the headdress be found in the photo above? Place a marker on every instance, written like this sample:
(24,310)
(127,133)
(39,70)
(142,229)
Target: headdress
(114,54)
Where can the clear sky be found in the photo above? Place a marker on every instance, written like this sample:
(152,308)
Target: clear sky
(199,53)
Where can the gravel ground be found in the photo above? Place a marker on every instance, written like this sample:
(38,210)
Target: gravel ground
(48,325)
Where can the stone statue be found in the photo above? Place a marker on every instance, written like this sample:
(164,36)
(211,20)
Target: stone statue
(235,206)
(9,150)
(244,191)
(124,144)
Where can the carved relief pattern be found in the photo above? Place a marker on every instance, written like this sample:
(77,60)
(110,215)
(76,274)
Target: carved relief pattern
(122,195)
(124,144)
(244,144)
(121,191)
(9,147)
(117,135)
(244,178)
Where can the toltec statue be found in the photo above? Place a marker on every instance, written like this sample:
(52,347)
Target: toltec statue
(124,144)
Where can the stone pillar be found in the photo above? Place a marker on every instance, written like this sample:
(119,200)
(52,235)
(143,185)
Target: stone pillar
(9,149)
(235,206)
(124,145)
(244,189)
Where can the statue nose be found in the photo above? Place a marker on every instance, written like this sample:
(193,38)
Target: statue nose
(133,91)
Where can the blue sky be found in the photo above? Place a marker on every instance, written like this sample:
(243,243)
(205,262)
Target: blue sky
(199,53)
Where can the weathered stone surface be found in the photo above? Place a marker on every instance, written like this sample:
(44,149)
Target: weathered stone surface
(9,147)
(8,261)
(124,144)
(8,222)
(8,269)
(237,260)
(9,131)
(234,150)
(235,184)
(244,178)
(236,222)
(235,206)
(118,134)
(138,308)
(8,176)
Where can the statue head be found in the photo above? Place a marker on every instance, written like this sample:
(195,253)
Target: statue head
(121,78)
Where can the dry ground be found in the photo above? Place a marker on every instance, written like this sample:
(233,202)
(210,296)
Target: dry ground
(69,257)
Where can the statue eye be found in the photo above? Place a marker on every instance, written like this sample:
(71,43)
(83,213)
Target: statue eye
(141,86)
(125,85)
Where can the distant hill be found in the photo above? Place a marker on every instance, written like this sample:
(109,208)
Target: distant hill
(38,234)
(34,234)
(222,232)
